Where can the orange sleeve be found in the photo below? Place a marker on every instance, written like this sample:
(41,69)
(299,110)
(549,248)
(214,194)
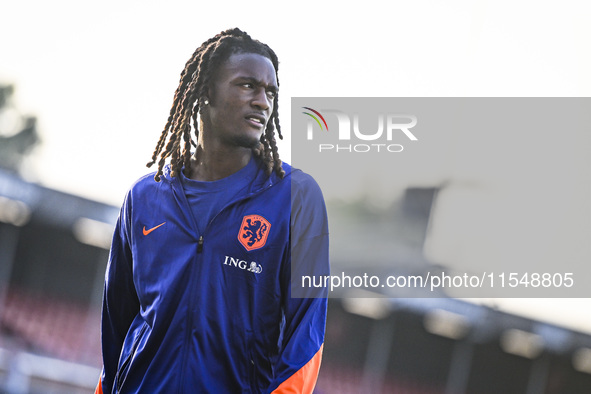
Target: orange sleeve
(99,387)
(304,380)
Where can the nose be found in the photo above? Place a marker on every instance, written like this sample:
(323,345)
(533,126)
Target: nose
(261,100)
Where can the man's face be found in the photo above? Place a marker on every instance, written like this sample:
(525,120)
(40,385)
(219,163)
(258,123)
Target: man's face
(241,100)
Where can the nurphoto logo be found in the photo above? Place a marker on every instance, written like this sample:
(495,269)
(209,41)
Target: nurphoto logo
(389,128)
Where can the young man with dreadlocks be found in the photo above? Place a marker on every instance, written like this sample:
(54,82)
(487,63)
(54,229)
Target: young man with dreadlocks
(198,295)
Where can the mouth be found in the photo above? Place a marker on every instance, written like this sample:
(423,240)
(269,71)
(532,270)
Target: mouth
(256,120)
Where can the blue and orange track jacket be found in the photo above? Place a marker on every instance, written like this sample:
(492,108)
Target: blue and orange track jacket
(212,312)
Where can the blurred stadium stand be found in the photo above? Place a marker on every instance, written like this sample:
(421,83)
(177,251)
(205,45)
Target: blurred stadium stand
(53,253)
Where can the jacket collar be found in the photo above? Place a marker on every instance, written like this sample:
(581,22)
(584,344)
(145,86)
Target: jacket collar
(262,180)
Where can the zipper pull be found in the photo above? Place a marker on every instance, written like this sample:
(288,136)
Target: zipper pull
(200,245)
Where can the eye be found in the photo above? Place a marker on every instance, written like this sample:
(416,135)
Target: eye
(248,85)
(272,94)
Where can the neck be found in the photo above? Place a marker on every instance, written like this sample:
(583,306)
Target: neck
(212,165)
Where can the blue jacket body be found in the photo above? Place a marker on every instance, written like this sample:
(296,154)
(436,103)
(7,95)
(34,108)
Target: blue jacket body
(212,312)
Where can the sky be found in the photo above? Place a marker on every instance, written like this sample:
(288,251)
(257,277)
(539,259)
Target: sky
(100,76)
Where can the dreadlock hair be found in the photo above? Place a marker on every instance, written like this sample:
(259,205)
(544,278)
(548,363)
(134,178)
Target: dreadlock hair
(196,77)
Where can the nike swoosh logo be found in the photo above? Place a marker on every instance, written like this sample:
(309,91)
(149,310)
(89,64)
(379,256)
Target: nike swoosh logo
(146,232)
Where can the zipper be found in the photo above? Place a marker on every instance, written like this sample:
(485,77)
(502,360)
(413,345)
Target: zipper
(189,329)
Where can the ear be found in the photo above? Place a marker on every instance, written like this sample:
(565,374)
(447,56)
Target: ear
(203,103)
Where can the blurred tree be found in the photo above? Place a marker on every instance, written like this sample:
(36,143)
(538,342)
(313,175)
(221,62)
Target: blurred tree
(18,132)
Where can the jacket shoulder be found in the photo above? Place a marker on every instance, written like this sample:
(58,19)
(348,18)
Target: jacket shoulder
(302,182)
(147,182)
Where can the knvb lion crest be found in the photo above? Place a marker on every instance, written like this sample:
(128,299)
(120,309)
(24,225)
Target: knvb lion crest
(253,232)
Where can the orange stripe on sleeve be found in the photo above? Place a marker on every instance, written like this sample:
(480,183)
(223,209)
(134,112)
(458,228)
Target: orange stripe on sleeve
(99,387)
(304,380)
